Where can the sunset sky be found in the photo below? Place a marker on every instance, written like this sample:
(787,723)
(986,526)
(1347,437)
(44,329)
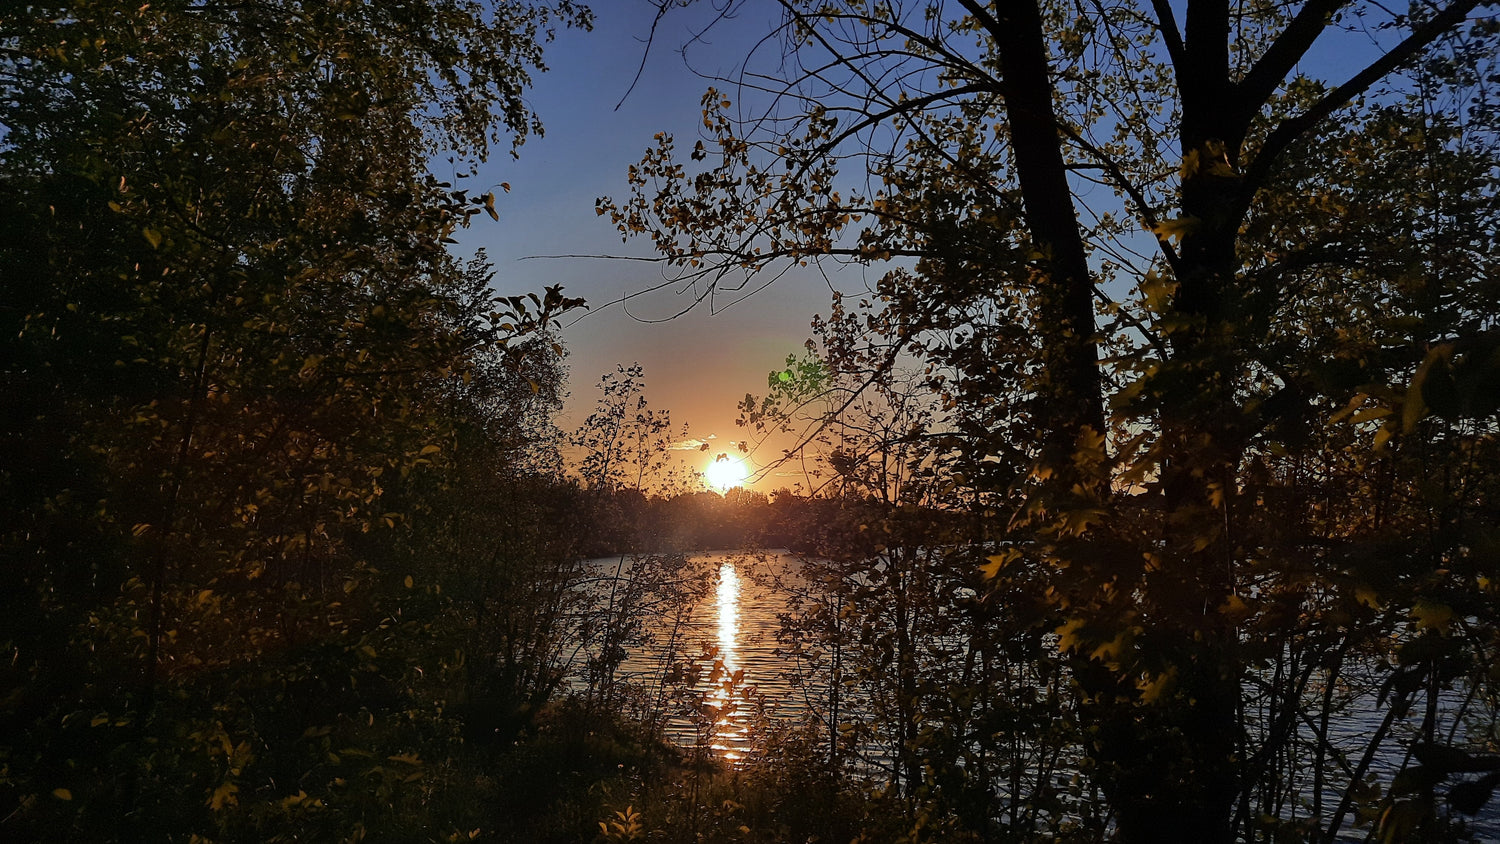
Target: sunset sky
(698,365)
(701,364)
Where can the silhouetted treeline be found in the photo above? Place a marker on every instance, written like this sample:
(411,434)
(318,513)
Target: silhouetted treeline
(627,521)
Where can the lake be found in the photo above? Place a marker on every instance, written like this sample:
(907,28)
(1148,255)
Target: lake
(727,634)
(734,623)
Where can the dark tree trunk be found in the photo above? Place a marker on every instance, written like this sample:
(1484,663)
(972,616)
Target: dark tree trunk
(1073,391)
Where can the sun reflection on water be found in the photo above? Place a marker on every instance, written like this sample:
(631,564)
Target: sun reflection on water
(730,732)
(729,616)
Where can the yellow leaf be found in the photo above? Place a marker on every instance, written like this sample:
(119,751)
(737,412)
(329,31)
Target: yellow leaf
(1430,615)
(1156,294)
(997,562)
(1216,496)
(1175,229)
(1077,520)
(1349,408)
(1111,651)
(1235,609)
(1090,440)
(430,449)
(62,794)
(1415,407)
(408,581)
(1206,538)
(1154,688)
(1370,413)
(1189,164)
(1068,635)
(224,796)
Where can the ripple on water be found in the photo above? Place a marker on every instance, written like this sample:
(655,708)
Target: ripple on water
(739,619)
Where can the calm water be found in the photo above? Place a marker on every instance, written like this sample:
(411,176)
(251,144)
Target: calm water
(730,632)
(734,624)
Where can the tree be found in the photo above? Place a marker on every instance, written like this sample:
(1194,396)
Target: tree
(231,327)
(625,453)
(625,442)
(977,133)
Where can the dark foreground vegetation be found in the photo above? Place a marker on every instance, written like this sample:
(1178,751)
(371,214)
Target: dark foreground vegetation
(1192,539)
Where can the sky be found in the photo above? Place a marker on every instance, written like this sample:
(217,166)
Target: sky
(699,365)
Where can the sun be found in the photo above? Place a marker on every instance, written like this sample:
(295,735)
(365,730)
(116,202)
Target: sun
(726,472)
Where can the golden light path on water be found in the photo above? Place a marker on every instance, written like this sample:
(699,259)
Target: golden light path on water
(730,732)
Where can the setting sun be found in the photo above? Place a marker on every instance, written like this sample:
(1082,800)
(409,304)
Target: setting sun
(726,472)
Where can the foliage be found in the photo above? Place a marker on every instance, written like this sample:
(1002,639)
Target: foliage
(1209,351)
(238,360)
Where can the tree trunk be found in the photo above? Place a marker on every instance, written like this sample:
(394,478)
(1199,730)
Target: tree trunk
(1073,390)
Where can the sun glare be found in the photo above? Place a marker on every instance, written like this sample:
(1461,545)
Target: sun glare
(726,472)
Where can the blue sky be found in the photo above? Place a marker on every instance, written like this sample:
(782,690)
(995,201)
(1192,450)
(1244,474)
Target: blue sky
(699,365)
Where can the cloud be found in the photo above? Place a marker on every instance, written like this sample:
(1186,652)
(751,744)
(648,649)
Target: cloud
(692,443)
